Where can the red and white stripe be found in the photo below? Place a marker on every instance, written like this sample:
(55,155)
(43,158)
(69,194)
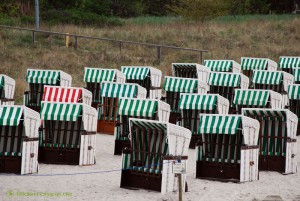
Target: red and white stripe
(62,94)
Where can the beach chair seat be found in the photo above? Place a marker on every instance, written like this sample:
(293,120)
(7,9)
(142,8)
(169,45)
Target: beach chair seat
(7,90)
(190,70)
(68,133)
(155,145)
(223,66)
(277,138)
(288,63)
(18,139)
(229,149)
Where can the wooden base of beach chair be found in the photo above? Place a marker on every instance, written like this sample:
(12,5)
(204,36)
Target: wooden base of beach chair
(218,171)
(173,117)
(59,156)
(120,145)
(272,163)
(131,179)
(10,164)
(104,127)
(194,140)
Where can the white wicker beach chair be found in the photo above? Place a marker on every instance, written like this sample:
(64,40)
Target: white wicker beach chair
(190,70)
(7,90)
(294,101)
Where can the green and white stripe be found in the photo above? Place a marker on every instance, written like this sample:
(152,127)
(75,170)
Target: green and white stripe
(135,73)
(197,101)
(251,97)
(97,75)
(267,77)
(177,84)
(42,76)
(224,79)
(137,107)
(296,73)
(60,111)
(217,124)
(289,62)
(254,63)
(118,90)
(294,92)
(10,116)
(264,112)
(219,65)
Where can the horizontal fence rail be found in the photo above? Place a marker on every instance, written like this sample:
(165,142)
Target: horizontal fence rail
(119,42)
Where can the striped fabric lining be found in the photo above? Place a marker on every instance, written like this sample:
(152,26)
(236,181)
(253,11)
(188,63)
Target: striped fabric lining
(137,107)
(254,64)
(180,70)
(60,111)
(217,124)
(10,116)
(136,73)
(219,65)
(42,76)
(289,62)
(251,97)
(224,79)
(197,101)
(1,82)
(184,85)
(118,90)
(97,75)
(267,77)
(265,112)
(296,73)
(294,92)
(59,94)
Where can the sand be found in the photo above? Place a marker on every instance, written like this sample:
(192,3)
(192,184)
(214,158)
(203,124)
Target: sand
(105,185)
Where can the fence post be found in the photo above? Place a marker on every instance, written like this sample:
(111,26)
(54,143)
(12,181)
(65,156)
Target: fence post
(158,53)
(76,43)
(33,37)
(67,40)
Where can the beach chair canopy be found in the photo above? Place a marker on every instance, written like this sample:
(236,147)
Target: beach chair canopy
(256,97)
(11,116)
(296,73)
(183,85)
(223,65)
(144,108)
(48,77)
(8,85)
(190,70)
(229,80)
(67,94)
(119,90)
(289,62)
(98,75)
(249,63)
(294,92)
(141,73)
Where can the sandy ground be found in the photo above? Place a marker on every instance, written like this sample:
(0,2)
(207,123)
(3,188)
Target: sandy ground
(105,186)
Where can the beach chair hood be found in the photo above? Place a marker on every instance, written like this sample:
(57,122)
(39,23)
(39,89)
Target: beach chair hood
(98,75)
(289,62)
(119,90)
(182,85)
(48,77)
(294,92)
(249,63)
(223,65)
(237,80)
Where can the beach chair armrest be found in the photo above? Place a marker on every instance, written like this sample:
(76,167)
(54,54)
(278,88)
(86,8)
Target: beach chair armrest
(245,147)
(170,158)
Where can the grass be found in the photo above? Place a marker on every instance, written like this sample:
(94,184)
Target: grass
(225,38)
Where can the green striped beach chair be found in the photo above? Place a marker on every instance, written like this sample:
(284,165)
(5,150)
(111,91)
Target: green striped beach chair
(111,92)
(229,149)
(248,64)
(19,139)
(36,80)
(145,76)
(93,78)
(192,105)
(68,133)
(190,70)
(226,83)
(137,108)
(155,145)
(294,101)
(173,86)
(277,81)
(7,90)
(277,139)
(287,63)
(256,98)
(223,66)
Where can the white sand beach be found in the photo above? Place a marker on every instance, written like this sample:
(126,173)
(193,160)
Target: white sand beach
(106,185)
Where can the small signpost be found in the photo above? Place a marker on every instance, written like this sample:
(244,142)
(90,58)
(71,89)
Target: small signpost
(179,168)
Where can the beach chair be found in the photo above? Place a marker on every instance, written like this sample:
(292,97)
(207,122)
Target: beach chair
(37,79)
(190,70)
(223,66)
(287,63)
(277,139)
(277,81)
(229,150)
(294,101)
(19,139)
(192,105)
(67,95)
(248,64)
(256,98)
(155,145)
(296,73)
(145,76)
(137,108)
(7,90)
(173,86)
(111,92)
(93,78)
(68,133)
(226,83)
